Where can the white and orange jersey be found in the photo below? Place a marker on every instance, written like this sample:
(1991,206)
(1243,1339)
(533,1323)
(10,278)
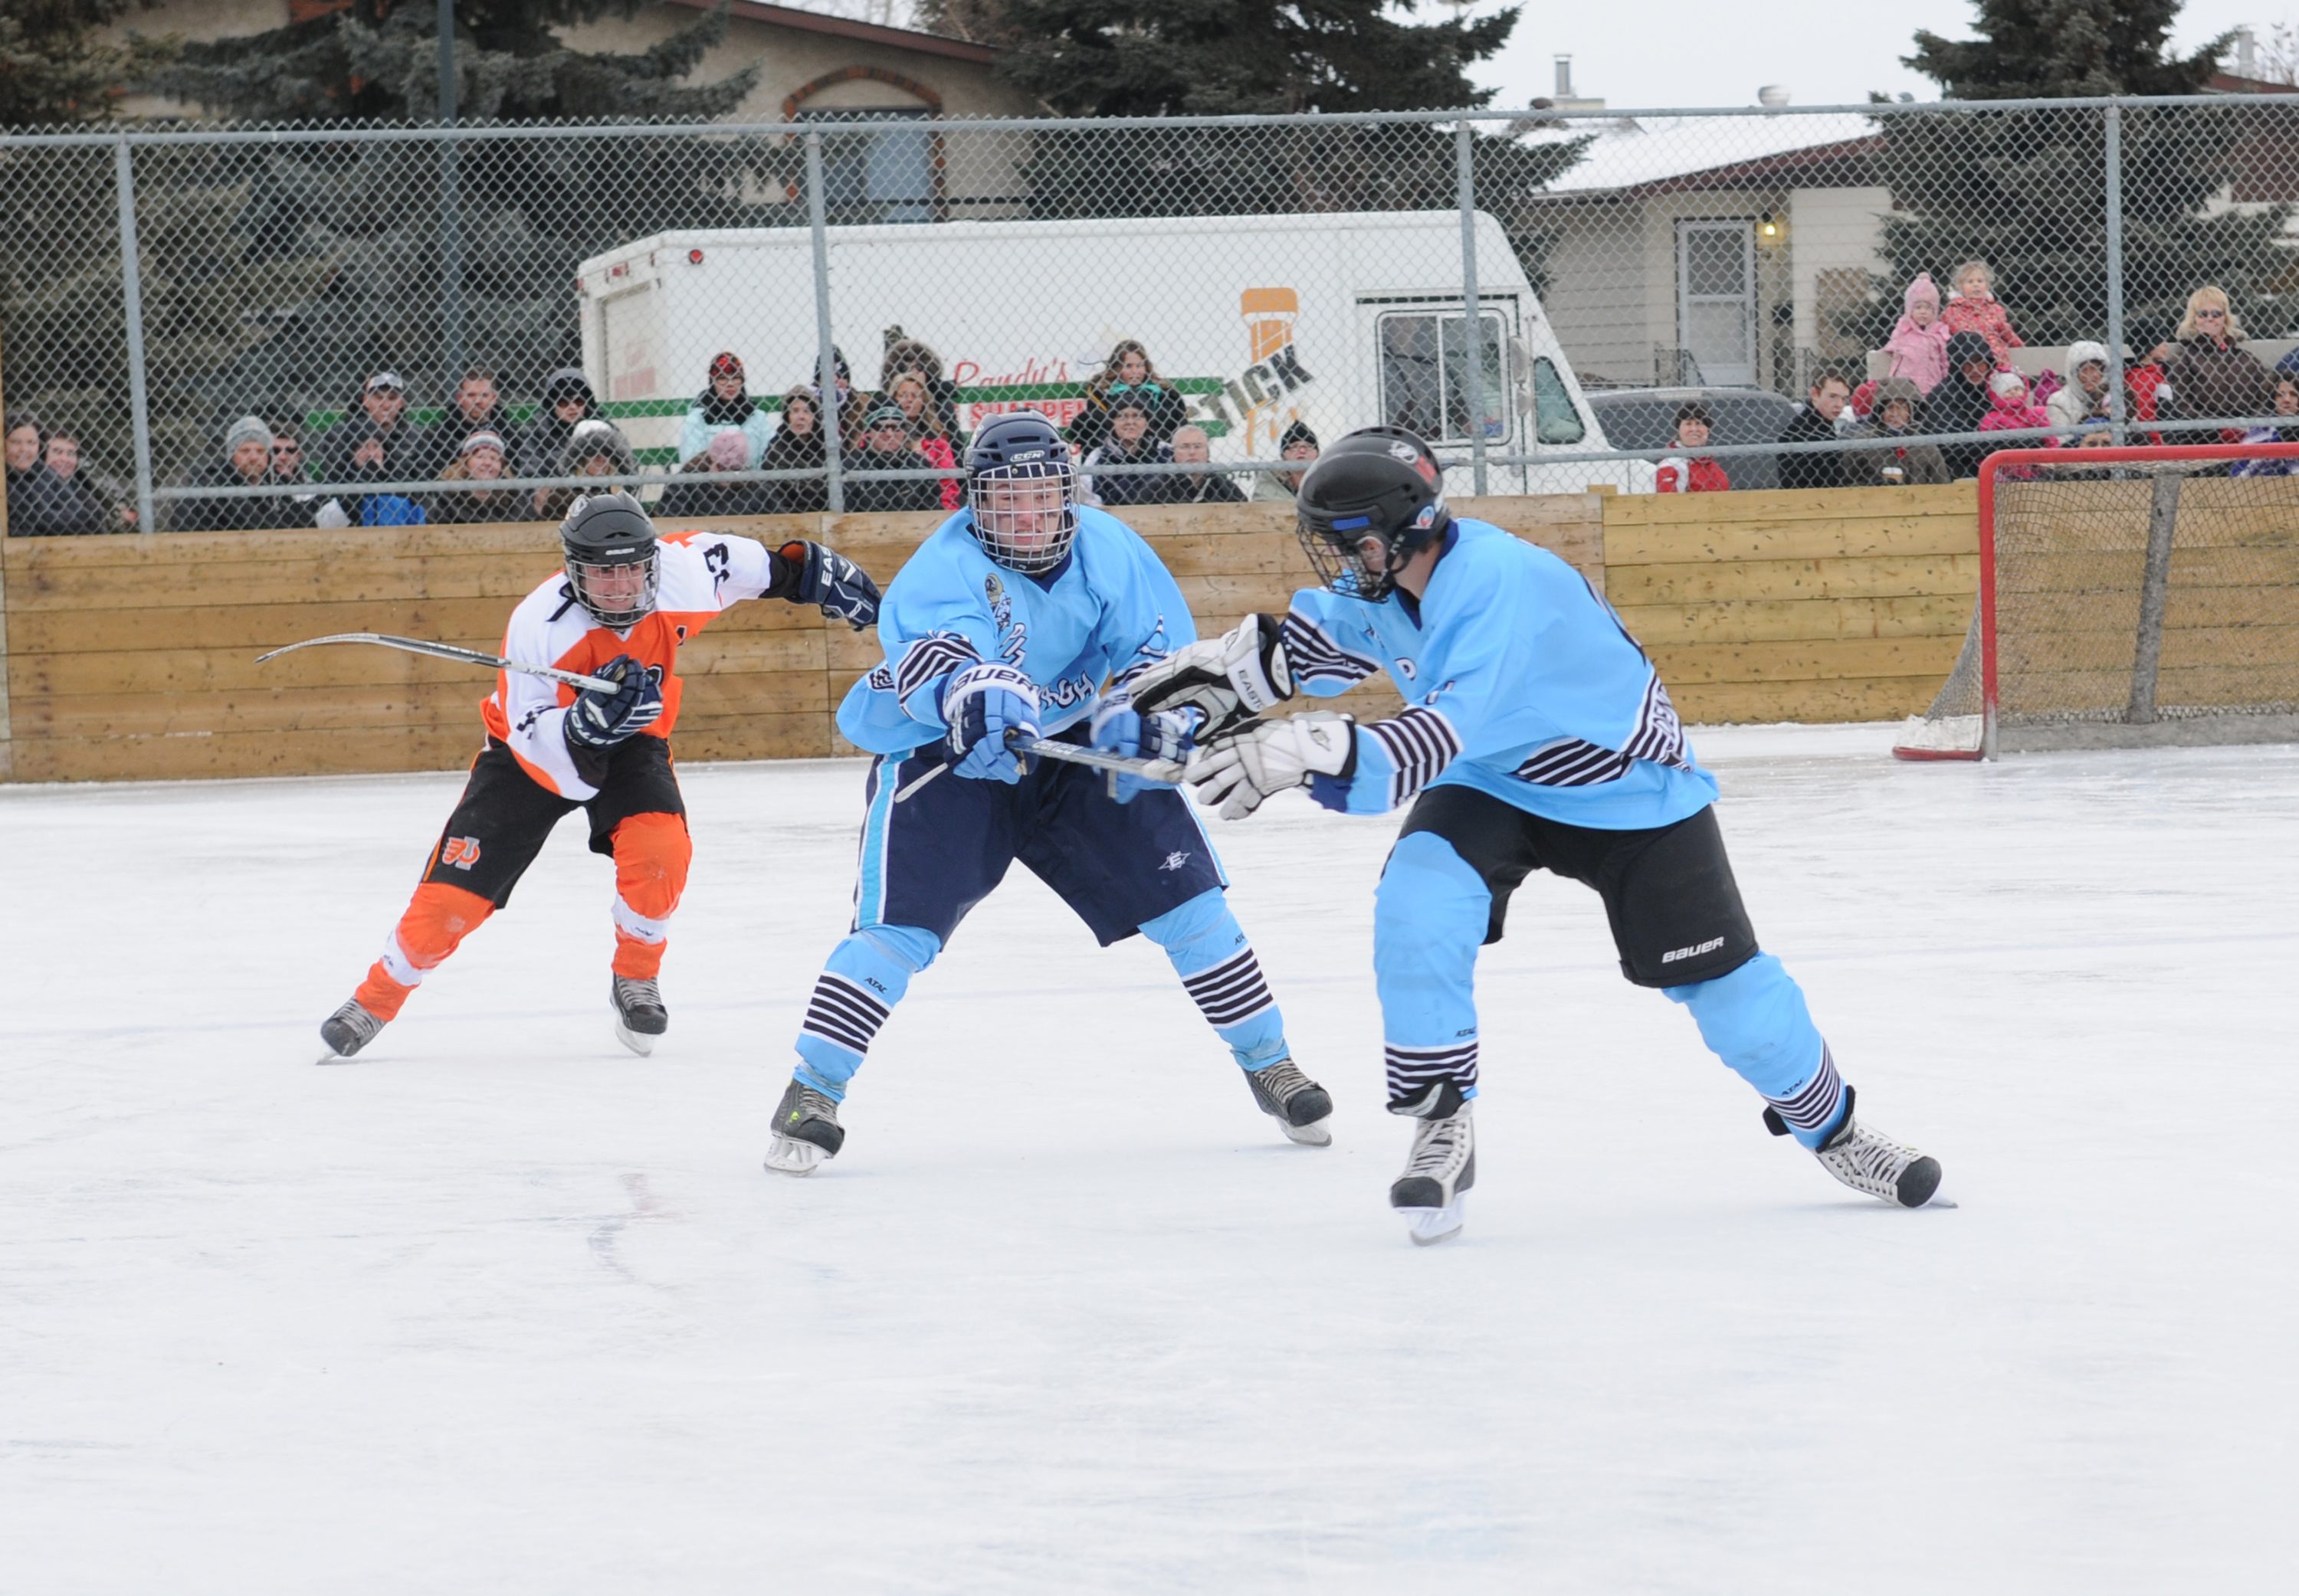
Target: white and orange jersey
(698,575)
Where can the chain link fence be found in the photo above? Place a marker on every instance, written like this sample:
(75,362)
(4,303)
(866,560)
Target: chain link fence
(344,324)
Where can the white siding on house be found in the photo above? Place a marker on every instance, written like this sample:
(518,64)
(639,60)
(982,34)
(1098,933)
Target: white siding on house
(1831,230)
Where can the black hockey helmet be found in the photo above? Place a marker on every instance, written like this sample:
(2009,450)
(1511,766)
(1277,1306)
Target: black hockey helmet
(1400,442)
(603,538)
(1022,491)
(1363,513)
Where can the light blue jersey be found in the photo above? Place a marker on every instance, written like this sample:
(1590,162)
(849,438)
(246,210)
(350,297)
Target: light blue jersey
(1108,609)
(1518,680)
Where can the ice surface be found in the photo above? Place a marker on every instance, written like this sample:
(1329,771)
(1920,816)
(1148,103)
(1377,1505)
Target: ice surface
(503,1309)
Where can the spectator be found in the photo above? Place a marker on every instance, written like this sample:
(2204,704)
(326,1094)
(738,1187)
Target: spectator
(2213,376)
(25,441)
(566,403)
(377,443)
(1961,402)
(246,463)
(1691,473)
(2011,409)
(1975,310)
(2084,398)
(1192,447)
(1128,373)
(1297,444)
(724,402)
(289,464)
(481,459)
(697,494)
(478,408)
(1129,443)
(1815,423)
(64,503)
(2284,431)
(1919,343)
(911,394)
(596,447)
(1888,461)
(798,446)
(904,353)
(886,447)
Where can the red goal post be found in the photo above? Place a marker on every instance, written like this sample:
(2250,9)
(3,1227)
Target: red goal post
(2132,597)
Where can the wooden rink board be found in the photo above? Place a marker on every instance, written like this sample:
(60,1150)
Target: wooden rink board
(132,657)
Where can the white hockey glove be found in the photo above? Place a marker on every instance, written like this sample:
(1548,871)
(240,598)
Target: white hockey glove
(1229,679)
(1238,771)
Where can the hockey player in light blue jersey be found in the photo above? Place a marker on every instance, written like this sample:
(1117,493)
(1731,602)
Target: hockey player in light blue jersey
(1006,622)
(1536,736)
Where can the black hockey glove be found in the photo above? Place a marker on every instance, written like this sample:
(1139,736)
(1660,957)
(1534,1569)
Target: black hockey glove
(1229,679)
(597,721)
(811,573)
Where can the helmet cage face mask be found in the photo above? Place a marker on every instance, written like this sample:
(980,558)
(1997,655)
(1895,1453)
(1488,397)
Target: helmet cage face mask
(1337,552)
(588,573)
(1024,514)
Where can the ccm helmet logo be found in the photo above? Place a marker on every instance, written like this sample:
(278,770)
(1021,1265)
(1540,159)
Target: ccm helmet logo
(1020,455)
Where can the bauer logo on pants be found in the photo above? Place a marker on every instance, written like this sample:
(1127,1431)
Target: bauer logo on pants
(461,852)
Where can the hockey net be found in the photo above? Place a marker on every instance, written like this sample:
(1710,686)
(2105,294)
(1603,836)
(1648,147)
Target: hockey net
(2140,598)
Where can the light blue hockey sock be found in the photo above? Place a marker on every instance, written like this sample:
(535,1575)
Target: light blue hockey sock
(1210,953)
(1429,919)
(865,978)
(1756,1021)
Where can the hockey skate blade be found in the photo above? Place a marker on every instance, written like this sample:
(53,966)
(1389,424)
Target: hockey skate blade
(787,1155)
(1429,1225)
(332,1057)
(637,1041)
(1316,1133)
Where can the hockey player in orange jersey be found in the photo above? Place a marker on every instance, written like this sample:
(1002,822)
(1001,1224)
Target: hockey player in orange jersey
(625,603)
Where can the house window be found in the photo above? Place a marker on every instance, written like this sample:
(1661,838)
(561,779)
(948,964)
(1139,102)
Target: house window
(881,175)
(1424,374)
(1716,299)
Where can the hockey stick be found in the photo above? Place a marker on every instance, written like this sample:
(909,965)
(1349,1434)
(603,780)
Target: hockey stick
(1164,772)
(416,645)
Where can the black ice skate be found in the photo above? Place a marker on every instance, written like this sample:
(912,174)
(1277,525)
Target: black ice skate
(806,1132)
(639,1015)
(1440,1168)
(1299,1105)
(1872,1163)
(347,1030)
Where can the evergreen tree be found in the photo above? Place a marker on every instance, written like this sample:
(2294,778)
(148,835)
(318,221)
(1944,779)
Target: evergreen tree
(55,69)
(370,223)
(2025,190)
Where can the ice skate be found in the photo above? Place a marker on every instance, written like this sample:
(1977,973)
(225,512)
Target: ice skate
(1440,1168)
(347,1030)
(639,1015)
(1302,1108)
(806,1132)
(1872,1163)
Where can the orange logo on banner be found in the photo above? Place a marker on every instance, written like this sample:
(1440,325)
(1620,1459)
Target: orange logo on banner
(461,852)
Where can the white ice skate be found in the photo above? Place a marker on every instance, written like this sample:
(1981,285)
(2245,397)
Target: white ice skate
(1303,1110)
(640,1017)
(1433,1192)
(806,1132)
(1873,1164)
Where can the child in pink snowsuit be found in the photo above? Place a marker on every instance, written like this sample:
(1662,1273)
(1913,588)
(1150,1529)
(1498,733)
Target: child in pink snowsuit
(1919,343)
(1977,309)
(2010,409)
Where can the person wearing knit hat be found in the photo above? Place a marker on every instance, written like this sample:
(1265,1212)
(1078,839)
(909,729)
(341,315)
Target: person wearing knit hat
(725,402)
(1919,343)
(246,463)
(2084,397)
(1297,442)
(479,462)
(885,446)
(249,430)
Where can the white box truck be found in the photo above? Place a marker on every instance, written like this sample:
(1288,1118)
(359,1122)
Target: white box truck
(1335,320)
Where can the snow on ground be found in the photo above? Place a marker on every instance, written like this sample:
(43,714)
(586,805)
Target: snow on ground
(502,1308)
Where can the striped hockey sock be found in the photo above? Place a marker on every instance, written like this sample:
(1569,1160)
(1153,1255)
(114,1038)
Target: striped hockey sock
(1232,992)
(1417,1076)
(861,982)
(843,1014)
(1812,1110)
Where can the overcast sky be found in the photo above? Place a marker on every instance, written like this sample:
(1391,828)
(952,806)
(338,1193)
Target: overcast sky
(1670,53)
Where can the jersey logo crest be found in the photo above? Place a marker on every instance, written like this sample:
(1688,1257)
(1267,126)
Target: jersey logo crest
(461,852)
(1174,860)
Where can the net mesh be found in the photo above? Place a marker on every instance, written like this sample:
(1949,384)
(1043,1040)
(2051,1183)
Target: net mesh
(2151,601)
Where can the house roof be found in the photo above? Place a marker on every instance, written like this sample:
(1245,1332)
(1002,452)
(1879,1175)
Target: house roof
(1651,154)
(872,33)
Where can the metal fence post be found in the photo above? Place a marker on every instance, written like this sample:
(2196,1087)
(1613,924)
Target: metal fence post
(2113,131)
(451,210)
(131,283)
(1465,162)
(826,351)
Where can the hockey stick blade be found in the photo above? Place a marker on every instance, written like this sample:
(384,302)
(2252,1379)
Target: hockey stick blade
(1165,773)
(417,645)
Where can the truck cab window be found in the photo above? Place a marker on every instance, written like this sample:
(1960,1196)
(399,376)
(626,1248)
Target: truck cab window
(1554,420)
(1425,375)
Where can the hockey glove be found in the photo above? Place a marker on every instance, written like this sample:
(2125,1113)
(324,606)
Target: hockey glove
(600,720)
(984,705)
(1228,679)
(810,573)
(1119,728)
(1245,767)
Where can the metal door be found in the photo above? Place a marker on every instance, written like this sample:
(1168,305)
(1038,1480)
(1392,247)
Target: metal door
(1716,299)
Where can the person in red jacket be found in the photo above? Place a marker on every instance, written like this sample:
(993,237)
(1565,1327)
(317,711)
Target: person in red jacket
(1692,473)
